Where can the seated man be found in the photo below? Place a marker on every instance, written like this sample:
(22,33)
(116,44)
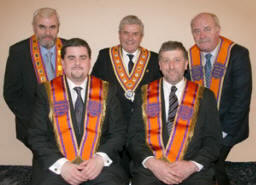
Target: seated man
(174,135)
(77,128)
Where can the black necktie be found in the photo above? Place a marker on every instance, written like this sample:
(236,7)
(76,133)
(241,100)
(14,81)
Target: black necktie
(173,105)
(79,108)
(208,69)
(130,64)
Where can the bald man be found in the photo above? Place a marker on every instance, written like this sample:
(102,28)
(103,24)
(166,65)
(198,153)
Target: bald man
(223,66)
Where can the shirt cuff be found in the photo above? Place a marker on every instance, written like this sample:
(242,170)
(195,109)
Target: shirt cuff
(145,160)
(199,166)
(56,167)
(224,134)
(106,159)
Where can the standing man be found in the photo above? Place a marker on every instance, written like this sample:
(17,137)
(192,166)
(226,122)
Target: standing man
(77,128)
(223,66)
(174,135)
(31,62)
(127,65)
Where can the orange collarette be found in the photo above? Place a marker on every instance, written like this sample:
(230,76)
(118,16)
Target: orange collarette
(37,60)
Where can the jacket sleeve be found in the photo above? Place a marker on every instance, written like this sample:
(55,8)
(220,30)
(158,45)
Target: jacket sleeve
(241,89)
(137,145)
(205,145)
(14,85)
(114,129)
(41,138)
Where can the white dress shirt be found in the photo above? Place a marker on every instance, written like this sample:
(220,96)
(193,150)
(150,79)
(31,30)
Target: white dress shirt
(126,58)
(56,167)
(167,89)
(74,93)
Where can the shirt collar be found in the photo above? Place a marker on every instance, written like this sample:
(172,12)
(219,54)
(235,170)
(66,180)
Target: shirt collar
(213,52)
(180,85)
(72,84)
(135,54)
(45,50)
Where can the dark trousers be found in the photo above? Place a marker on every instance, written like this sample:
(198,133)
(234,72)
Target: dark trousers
(142,176)
(113,175)
(220,172)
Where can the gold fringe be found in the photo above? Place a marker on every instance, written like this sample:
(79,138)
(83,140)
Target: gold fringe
(194,118)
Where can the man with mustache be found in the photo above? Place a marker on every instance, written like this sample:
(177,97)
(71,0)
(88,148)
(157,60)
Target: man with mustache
(31,62)
(174,135)
(127,65)
(223,66)
(77,128)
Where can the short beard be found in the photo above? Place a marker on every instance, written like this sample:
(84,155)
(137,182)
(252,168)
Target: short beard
(78,78)
(47,44)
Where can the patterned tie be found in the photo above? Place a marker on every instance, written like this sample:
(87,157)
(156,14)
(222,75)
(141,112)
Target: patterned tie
(49,66)
(173,105)
(208,69)
(130,64)
(79,108)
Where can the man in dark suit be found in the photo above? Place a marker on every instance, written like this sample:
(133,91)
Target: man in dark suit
(223,66)
(174,135)
(127,65)
(30,62)
(77,128)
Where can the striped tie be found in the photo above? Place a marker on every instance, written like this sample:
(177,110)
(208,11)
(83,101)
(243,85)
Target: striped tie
(208,69)
(173,105)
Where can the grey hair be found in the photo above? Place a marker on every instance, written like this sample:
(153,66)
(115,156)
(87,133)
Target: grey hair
(213,16)
(131,19)
(45,12)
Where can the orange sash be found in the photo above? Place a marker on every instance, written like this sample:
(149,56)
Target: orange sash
(62,122)
(219,67)
(184,122)
(38,63)
(129,82)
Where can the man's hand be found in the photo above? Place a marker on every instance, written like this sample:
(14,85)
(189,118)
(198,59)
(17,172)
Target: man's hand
(163,171)
(183,168)
(71,173)
(92,167)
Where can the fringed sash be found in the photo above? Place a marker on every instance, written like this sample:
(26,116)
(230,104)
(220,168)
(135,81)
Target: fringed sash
(219,68)
(38,63)
(61,117)
(184,123)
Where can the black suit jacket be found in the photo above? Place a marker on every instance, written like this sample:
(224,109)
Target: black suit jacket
(41,137)
(103,69)
(20,85)
(236,96)
(203,148)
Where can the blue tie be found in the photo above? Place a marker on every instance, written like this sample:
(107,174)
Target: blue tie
(49,66)
(173,105)
(208,69)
